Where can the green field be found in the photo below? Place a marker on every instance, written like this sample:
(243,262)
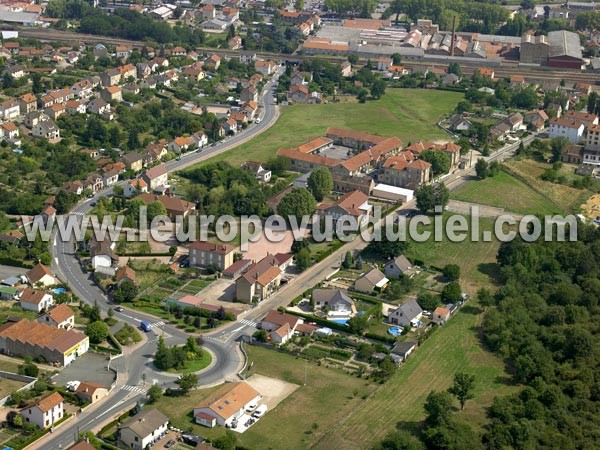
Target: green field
(328,397)
(410,114)
(195,365)
(505,191)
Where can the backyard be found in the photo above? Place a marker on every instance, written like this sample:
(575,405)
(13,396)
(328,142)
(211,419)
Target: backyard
(410,114)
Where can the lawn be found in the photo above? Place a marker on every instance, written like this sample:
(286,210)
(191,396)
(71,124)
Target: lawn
(566,197)
(453,348)
(505,191)
(410,114)
(7,386)
(195,365)
(477,260)
(328,397)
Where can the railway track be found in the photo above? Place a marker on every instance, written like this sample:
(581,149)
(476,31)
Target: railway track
(502,71)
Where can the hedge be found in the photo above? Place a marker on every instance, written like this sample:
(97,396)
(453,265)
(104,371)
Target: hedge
(8,261)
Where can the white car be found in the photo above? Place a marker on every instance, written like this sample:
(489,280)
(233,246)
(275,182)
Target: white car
(257,121)
(260,411)
(251,407)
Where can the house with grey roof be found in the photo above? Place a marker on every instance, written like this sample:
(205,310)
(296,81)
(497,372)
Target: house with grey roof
(368,282)
(407,314)
(398,266)
(144,429)
(334,299)
(401,350)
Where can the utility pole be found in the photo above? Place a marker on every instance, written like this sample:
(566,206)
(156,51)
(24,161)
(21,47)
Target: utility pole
(305,371)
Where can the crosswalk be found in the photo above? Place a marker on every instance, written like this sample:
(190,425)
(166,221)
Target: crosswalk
(249,323)
(157,324)
(136,389)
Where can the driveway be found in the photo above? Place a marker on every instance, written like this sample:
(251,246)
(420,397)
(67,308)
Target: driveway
(91,367)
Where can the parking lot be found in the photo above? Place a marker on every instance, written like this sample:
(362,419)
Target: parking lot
(11,271)
(90,367)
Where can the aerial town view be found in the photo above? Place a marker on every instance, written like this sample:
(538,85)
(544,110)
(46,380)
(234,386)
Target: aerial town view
(307,224)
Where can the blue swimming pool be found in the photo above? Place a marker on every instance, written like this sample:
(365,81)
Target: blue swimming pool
(395,331)
(60,290)
(340,321)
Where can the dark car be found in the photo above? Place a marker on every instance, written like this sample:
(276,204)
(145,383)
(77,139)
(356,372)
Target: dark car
(119,309)
(170,443)
(93,204)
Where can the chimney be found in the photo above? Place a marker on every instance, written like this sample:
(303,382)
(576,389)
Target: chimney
(453,36)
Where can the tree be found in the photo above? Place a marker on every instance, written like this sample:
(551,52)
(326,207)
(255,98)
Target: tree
(462,388)
(126,291)
(451,293)
(299,245)
(396,59)
(378,89)
(320,183)
(97,331)
(455,69)
(485,298)
(303,259)
(429,196)
(298,202)
(399,440)
(29,368)
(440,162)
(94,314)
(191,346)
(188,382)
(557,146)
(154,393)
(163,358)
(494,168)
(359,324)
(438,407)
(110,313)
(156,209)
(228,441)
(261,335)
(451,272)
(428,301)
(362,95)
(347,263)
(482,169)
(353,58)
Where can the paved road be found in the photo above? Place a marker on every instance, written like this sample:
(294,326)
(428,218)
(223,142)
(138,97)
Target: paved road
(135,369)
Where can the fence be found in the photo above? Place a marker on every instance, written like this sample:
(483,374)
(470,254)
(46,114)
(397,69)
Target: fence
(30,381)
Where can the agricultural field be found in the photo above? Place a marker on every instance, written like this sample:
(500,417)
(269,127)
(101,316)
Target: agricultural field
(410,114)
(505,191)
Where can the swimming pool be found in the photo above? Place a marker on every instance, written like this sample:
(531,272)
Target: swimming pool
(340,321)
(395,331)
(60,290)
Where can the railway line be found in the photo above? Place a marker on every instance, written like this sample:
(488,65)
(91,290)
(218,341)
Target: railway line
(505,69)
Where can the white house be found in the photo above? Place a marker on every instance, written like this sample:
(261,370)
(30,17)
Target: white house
(144,429)
(41,275)
(334,299)
(408,313)
(374,279)
(61,316)
(398,266)
(567,128)
(102,254)
(46,412)
(34,300)
(226,405)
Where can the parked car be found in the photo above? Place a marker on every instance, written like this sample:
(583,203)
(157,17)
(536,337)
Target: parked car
(170,443)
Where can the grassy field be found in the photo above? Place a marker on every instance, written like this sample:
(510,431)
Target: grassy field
(328,397)
(410,114)
(196,364)
(7,386)
(568,198)
(505,191)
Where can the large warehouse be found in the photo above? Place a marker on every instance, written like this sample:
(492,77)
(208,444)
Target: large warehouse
(560,49)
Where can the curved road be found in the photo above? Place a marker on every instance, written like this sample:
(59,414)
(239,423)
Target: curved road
(135,370)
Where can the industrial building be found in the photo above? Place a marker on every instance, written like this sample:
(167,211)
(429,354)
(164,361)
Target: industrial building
(560,49)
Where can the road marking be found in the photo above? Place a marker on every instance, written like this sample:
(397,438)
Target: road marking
(135,389)
(249,323)
(56,259)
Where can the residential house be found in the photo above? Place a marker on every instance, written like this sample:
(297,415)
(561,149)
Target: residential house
(122,51)
(458,122)
(110,177)
(40,275)
(125,273)
(247,57)
(82,89)
(176,207)
(8,292)
(110,77)
(260,281)
(204,254)
(249,94)
(76,187)
(10,109)
(35,300)
(333,299)
(536,119)
(112,94)
(27,103)
(383,63)
(144,429)
(102,253)
(55,111)
(29,338)
(9,132)
(515,121)
(131,88)
(402,350)
(128,72)
(45,412)
(570,129)
(237,268)
(587,119)
(46,130)
(82,445)
(398,266)
(408,313)
(133,161)
(181,144)
(353,204)
(156,177)
(260,173)
(450,79)
(212,62)
(440,315)
(75,107)
(135,187)
(226,405)
(234,43)
(370,281)
(60,316)
(230,126)
(90,392)
(200,138)
(94,183)
(98,106)
(265,67)
(274,320)
(33,118)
